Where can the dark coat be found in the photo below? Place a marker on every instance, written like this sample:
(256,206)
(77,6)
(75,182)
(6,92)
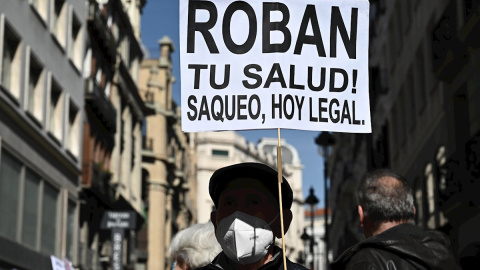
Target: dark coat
(222,262)
(402,247)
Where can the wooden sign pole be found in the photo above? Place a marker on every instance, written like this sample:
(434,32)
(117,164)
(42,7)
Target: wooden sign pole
(280,180)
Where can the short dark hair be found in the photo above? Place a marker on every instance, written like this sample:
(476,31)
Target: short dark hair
(258,171)
(384,200)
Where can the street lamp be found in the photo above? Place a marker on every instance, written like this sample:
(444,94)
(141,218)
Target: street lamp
(312,200)
(325,140)
(305,237)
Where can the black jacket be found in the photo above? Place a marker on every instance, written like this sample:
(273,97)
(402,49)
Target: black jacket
(402,247)
(222,262)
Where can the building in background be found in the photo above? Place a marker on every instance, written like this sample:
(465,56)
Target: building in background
(220,149)
(114,113)
(168,163)
(41,115)
(424,93)
(319,256)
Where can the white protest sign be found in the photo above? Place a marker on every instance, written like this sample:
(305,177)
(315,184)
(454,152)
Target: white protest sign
(58,264)
(295,64)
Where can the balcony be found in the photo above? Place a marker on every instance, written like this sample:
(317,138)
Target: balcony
(101,185)
(99,30)
(100,104)
(147,144)
(147,149)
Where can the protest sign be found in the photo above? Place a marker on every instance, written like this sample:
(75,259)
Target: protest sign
(58,264)
(295,64)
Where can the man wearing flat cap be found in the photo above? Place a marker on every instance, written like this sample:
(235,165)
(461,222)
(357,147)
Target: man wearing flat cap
(247,217)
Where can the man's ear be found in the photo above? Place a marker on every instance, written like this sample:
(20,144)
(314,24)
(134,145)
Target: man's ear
(361,215)
(287,220)
(213,219)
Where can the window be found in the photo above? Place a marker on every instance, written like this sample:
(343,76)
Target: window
(30,209)
(73,137)
(134,69)
(71,221)
(98,73)
(419,207)
(219,153)
(49,220)
(59,21)
(29,206)
(11,61)
(87,63)
(55,110)
(75,50)
(10,171)
(125,50)
(40,7)
(108,88)
(440,161)
(430,196)
(35,86)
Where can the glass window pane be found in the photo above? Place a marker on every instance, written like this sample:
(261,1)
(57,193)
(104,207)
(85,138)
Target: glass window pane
(49,220)
(71,229)
(30,209)
(10,170)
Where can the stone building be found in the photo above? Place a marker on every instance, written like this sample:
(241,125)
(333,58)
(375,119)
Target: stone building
(168,162)
(41,115)
(112,137)
(99,128)
(424,93)
(318,249)
(219,149)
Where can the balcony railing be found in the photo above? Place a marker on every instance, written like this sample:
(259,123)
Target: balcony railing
(100,104)
(97,24)
(101,184)
(147,96)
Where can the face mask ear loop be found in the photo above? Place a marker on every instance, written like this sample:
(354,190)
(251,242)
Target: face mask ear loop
(268,225)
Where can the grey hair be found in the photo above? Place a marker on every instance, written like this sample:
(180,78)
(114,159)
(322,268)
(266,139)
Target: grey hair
(195,245)
(386,196)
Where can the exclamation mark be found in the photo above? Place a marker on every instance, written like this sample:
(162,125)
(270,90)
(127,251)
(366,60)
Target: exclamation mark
(354,90)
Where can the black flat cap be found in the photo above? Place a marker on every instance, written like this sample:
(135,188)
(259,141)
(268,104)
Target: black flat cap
(258,171)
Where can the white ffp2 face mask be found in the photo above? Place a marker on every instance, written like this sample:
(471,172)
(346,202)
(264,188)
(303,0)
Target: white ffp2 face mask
(244,239)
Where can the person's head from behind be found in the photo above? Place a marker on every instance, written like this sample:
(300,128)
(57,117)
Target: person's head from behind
(247,204)
(384,199)
(194,247)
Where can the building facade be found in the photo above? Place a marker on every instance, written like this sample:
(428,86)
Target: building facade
(424,93)
(114,113)
(314,221)
(41,103)
(168,163)
(219,149)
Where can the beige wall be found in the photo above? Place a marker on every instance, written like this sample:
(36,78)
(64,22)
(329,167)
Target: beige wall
(170,165)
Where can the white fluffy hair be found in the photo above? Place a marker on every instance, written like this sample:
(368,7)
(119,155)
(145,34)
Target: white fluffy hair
(195,245)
